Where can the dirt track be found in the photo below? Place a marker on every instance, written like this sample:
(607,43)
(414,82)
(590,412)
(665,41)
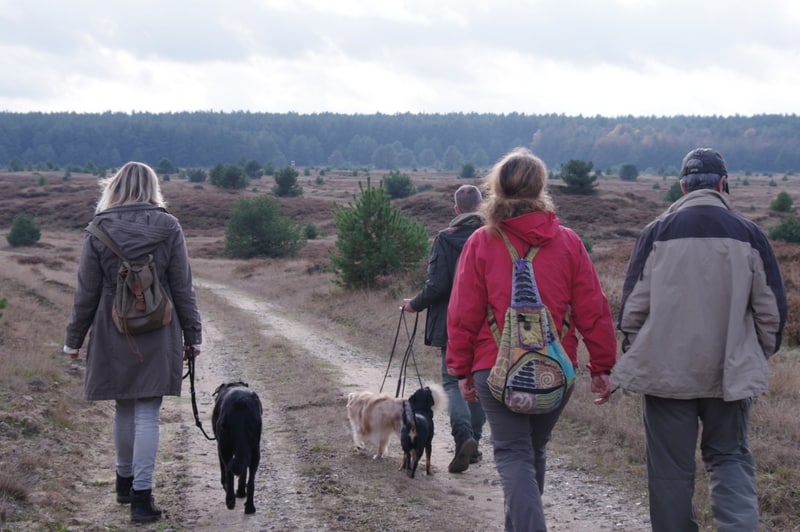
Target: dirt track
(237,329)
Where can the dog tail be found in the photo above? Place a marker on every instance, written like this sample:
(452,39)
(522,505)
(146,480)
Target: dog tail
(409,419)
(439,397)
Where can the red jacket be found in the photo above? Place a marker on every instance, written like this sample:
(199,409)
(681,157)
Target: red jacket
(566,279)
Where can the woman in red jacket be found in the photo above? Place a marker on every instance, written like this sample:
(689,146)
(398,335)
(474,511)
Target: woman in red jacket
(518,203)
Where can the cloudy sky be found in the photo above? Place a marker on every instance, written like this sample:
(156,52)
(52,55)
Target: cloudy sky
(576,57)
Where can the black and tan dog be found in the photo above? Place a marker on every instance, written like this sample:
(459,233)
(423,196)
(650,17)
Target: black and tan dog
(237,427)
(416,432)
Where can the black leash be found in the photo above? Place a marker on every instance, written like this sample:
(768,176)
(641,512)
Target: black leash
(190,372)
(409,354)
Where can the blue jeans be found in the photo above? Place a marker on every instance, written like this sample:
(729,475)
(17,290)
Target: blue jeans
(466,419)
(520,454)
(671,427)
(136,431)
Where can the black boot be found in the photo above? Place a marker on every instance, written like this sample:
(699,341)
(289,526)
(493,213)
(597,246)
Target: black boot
(143,507)
(124,485)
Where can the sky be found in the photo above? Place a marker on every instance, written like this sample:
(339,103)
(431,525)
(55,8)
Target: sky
(573,57)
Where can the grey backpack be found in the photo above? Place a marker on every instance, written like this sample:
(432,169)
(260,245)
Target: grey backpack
(140,302)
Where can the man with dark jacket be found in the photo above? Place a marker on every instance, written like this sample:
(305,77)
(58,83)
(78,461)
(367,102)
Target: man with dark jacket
(703,308)
(466,419)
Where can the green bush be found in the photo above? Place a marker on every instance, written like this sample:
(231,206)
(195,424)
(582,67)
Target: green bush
(196,175)
(467,171)
(788,231)
(311,231)
(228,176)
(674,193)
(398,185)
(258,228)
(783,203)
(286,183)
(374,239)
(24,231)
(628,172)
(576,175)
(3,304)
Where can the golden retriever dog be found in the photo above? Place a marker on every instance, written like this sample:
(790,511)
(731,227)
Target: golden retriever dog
(374,418)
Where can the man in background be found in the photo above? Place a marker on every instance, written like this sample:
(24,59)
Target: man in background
(466,418)
(703,308)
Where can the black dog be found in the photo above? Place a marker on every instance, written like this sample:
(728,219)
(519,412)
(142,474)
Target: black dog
(416,432)
(237,427)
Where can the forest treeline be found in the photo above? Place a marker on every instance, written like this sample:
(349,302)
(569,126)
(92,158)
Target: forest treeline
(765,143)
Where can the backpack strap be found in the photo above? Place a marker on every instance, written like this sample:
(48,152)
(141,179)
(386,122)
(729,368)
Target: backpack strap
(514,258)
(105,239)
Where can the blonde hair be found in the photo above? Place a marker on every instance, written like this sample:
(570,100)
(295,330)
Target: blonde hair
(134,183)
(516,185)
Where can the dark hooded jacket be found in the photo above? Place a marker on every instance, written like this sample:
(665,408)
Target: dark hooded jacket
(144,365)
(435,295)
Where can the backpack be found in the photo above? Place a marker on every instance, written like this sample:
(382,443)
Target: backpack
(532,373)
(141,303)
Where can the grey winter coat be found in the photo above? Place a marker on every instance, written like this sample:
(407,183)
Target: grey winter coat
(435,295)
(703,304)
(149,364)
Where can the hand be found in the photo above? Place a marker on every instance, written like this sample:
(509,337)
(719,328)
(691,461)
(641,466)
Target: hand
(407,306)
(467,388)
(195,352)
(601,384)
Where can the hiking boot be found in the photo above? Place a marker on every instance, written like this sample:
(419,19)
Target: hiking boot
(464,452)
(124,485)
(476,457)
(143,507)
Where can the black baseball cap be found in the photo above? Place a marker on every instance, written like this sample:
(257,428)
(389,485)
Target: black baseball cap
(703,161)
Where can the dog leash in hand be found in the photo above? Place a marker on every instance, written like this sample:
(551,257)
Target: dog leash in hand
(408,353)
(190,372)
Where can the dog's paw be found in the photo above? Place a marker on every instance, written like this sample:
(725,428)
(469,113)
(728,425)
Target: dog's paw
(249,508)
(230,502)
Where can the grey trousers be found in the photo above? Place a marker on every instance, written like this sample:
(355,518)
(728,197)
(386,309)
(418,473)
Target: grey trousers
(136,431)
(520,454)
(671,427)
(466,419)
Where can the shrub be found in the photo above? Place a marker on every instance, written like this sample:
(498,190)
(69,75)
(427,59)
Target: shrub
(674,193)
(196,175)
(24,231)
(783,203)
(374,239)
(788,231)
(467,171)
(628,172)
(398,185)
(258,228)
(228,176)
(286,183)
(576,175)
(3,303)
(311,231)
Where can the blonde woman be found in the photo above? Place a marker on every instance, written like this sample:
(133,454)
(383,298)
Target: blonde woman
(519,204)
(135,372)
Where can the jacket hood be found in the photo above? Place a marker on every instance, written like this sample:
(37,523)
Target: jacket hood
(460,229)
(535,228)
(128,227)
(704,196)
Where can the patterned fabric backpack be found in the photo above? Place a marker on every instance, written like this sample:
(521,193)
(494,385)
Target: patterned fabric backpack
(532,373)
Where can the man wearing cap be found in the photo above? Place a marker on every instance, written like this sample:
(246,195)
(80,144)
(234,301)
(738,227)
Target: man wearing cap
(703,308)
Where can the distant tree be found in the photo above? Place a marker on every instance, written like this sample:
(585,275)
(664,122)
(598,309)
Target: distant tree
(24,231)
(196,175)
(674,193)
(576,175)
(16,165)
(452,158)
(427,157)
(628,172)
(165,167)
(374,239)
(336,159)
(398,185)
(286,183)
(385,156)
(252,169)
(258,228)
(269,169)
(783,203)
(467,171)
(228,176)
(311,231)
(788,230)
(3,304)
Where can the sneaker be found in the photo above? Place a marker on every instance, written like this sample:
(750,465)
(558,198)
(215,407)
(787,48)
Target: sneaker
(476,457)
(464,453)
